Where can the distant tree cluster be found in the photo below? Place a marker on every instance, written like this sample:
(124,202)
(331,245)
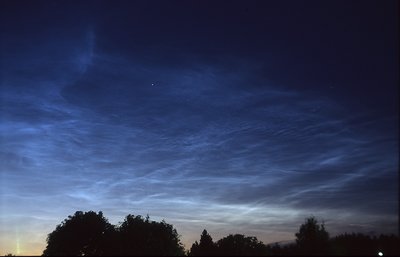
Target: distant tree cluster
(346,245)
(313,239)
(232,245)
(90,233)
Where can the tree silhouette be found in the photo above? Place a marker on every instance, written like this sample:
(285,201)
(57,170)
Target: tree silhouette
(80,234)
(389,244)
(89,233)
(312,238)
(359,244)
(206,247)
(239,245)
(139,236)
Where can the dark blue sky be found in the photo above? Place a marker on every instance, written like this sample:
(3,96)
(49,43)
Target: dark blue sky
(238,117)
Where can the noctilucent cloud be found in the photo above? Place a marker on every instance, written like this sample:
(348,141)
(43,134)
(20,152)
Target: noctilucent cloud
(236,117)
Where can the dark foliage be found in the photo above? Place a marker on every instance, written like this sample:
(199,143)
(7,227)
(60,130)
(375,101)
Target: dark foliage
(240,245)
(312,238)
(206,247)
(80,234)
(359,244)
(90,233)
(278,250)
(232,245)
(139,236)
(347,245)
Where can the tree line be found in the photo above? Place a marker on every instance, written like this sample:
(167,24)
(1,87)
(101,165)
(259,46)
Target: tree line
(90,233)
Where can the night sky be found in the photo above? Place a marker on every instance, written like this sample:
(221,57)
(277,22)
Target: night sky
(234,116)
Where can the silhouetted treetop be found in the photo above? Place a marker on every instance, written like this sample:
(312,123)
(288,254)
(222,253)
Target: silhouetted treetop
(312,237)
(240,245)
(139,236)
(90,233)
(206,247)
(80,234)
